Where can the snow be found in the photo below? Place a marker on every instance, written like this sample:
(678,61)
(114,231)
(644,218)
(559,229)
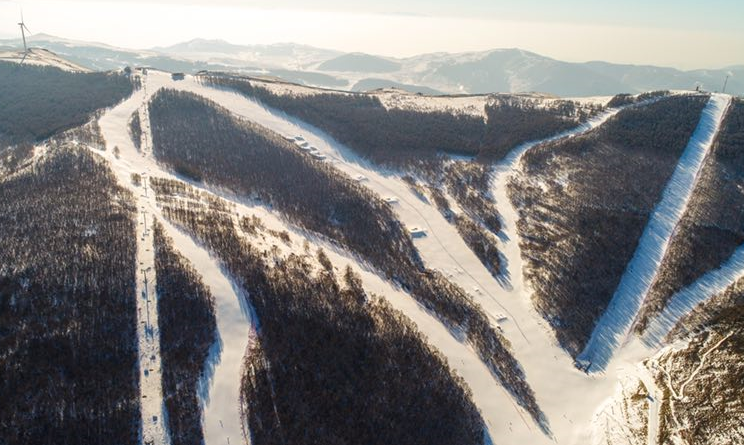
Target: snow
(687,299)
(550,372)
(567,396)
(615,323)
(41,57)
(154,429)
(220,389)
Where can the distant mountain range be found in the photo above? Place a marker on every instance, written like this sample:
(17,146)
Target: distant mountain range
(499,70)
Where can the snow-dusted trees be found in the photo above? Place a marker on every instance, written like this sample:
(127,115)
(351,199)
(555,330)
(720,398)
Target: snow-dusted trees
(135,129)
(584,203)
(67,305)
(194,134)
(332,364)
(513,120)
(188,329)
(399,137)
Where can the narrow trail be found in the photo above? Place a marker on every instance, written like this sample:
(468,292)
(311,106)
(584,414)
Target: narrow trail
(681,394)
(615,323)
(655,397)
(683,302)
(154,426)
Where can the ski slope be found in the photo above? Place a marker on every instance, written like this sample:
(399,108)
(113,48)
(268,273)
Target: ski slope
(683,302)
(221,390)
(615,323)
(154,425)
(566,395)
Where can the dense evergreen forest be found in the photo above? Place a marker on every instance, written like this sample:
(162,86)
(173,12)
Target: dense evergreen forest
(331,363)
(202,141)
(37,102)
(67,305)
(584,203)
(397,137)
(188,329)
(713,224)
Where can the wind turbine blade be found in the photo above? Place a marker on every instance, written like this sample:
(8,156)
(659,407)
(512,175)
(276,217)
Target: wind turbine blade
(29,31)
(24,58)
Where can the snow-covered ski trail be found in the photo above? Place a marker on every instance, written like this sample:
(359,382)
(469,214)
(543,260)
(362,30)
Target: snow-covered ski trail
(219,389)
(614,325)
(500,413)
(683,302)
(153,413)
(550,372)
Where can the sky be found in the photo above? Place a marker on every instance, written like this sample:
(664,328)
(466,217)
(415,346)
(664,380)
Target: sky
(684,34)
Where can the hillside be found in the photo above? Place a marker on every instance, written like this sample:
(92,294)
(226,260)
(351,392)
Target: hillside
(226,258)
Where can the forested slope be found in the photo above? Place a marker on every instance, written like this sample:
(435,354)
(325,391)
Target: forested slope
(713,224)
(188,329)
(331,364)
(203,141)
(584,203)
(67,305)
(397,137)
(37,102)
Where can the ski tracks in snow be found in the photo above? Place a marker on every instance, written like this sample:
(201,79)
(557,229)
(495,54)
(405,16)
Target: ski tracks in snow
(615,323)
(219,388)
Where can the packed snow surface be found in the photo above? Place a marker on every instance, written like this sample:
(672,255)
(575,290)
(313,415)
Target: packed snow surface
(639,275)
(687,299)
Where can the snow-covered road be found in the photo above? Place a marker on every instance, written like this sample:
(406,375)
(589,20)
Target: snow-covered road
(614,325)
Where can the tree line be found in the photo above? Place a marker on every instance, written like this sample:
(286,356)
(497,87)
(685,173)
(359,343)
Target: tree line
(188,328)
(37,102)
(712,226)
(398,137)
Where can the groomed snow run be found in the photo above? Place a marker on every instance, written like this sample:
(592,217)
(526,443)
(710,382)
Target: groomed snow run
(153,413)
(683,302)
(614,325)
(220,387)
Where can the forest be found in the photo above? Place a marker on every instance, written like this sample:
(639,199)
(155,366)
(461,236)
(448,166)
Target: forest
(188,328)
(68,314)
(37,102)
(398,137)
(710,405)
(135,129)
(331,364)
(194,135)
(584,202)
(712,226)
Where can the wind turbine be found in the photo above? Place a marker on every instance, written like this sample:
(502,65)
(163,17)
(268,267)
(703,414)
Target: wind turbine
(24,28)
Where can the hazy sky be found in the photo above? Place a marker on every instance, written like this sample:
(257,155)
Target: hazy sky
(681,33)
